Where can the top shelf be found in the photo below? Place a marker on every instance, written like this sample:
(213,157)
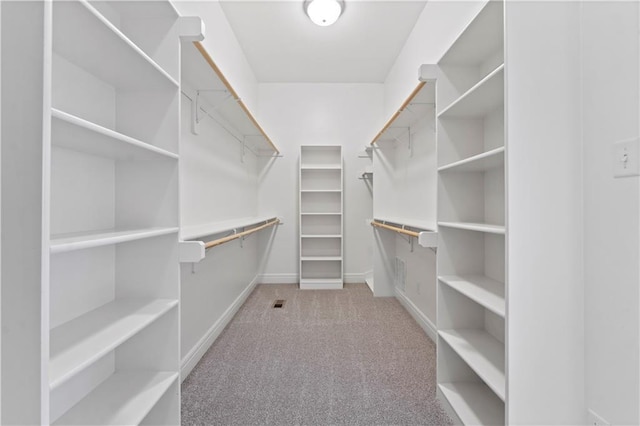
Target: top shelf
(480,100)
(481,39)
(216,96)
(83,36)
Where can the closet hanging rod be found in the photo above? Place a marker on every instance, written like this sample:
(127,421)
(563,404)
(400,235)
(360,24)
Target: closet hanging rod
(395,229)
(426,238)
(397,113)
(226,83)
(223,240)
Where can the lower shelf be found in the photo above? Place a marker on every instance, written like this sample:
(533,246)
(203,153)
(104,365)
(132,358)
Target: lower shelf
(80,342)
(482,352)
(125,398)
(321,283)
(474,403)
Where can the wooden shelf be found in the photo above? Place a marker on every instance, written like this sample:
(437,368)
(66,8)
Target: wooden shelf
(194,232)
(480,100)
(485,291)
(479,227)
(478,163)
(482,352)
(125,398)
(474,403)
(94,43)
(83,340)
(321,258)
(75,133)
(83,240)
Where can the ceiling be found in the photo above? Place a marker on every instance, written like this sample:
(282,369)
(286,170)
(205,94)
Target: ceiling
(282,45)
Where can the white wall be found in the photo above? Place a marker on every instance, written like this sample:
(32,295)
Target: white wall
(215,185)
(405,187)
(23,373)
(223,47)
(439,24)
(308,114)
(612,211)
(545,278)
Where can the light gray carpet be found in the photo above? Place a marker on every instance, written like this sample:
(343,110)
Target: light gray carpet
(327,357)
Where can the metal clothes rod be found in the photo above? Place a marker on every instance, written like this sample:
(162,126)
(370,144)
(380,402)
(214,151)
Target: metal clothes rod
(241,234)
(395,228)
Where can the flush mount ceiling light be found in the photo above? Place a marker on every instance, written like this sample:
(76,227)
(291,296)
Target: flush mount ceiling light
(323,12)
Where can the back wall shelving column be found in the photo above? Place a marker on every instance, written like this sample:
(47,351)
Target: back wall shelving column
(321,222)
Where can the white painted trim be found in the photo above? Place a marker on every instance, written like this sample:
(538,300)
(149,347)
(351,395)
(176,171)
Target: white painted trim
(191,359)
(354,278)
(427,325)
(278,279)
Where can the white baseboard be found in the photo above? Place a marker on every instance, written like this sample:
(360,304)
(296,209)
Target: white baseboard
(427,325)
(192,358)
(354,278)
(278,279)
(349,278)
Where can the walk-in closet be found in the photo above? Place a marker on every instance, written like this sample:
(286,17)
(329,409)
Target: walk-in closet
(319,212)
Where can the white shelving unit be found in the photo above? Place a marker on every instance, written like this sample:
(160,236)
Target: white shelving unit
(321,223)
(111,283)
(472,302)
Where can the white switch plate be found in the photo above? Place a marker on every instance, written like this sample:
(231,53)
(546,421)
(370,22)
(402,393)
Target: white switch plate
(626,161)
(595,420)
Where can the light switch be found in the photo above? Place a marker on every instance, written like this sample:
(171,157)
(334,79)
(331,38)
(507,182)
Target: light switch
(625,158)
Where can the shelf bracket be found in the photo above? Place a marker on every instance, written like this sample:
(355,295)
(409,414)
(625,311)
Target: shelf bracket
(195,119)
(410,143)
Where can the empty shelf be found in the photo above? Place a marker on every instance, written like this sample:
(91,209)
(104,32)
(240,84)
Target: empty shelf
(83,240)
(470,226)
(320,214)
(482,352)
(485,291)
(321,166)
(91,41)
(321,236)
(481,99)
(80,342)
(124,399)
(321,258)
(474,403)
(320,190)
(75,133)
(478,163)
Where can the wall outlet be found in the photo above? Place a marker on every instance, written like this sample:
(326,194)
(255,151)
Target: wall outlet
(626,161)
(594,419)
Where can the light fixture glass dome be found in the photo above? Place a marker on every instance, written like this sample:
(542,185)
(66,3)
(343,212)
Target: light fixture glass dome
(323,12)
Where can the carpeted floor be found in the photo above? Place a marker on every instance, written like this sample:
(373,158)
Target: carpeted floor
(327,357)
